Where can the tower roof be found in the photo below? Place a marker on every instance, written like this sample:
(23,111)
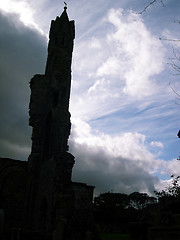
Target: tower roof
(64,16)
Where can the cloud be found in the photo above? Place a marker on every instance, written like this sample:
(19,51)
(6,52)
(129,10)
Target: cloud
(173,167)
(15,150)
(23,54)
(157,144)
(121,163)
(114,93)
(137,54)
(95,43)
(119,66)
(120,83)
(23,9)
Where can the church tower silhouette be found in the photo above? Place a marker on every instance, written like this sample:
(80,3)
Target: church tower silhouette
(52,198)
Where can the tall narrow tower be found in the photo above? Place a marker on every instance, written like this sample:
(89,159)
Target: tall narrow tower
(50,194)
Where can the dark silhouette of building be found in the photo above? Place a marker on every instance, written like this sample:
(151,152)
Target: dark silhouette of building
(50,165)
(178,134)
(50,203)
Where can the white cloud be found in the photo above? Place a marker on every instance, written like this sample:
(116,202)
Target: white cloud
(115,67)
(157,144)
(122,162)
(23,9)
(95,43)
(111,67)
(173,167)
(137,54)
(163,184)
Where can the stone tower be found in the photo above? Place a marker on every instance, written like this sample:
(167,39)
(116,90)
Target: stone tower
(50,190)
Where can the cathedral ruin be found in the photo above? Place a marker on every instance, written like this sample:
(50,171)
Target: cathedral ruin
(53,205)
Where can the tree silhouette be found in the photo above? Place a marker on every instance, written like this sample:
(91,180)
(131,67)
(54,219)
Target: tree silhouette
(150,4)
(172,190)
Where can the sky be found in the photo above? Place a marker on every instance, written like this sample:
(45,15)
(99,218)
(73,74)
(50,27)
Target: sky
(124,112)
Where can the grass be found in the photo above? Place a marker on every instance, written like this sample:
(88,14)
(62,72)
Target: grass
(114,236)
